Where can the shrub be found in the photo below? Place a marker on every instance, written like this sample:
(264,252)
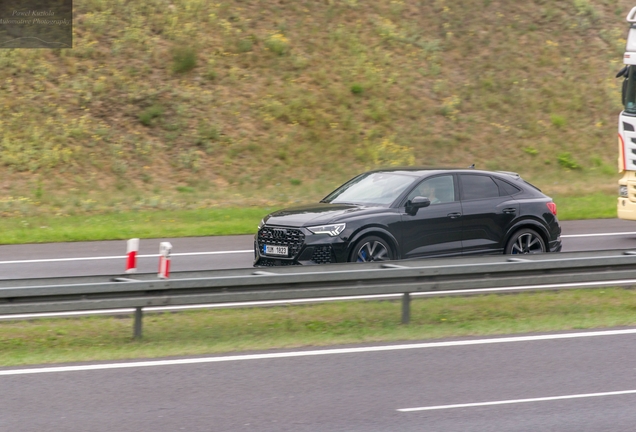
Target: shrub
(209,132)
(585,8)
(390,153)
(566,161)
(149,114)
(356,89)
(184,59)
(449,107)
(557,120)
(244,45)
(277,43)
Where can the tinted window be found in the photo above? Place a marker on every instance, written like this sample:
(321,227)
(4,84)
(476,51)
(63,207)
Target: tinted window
(478,187)
(506,188)
(439,189)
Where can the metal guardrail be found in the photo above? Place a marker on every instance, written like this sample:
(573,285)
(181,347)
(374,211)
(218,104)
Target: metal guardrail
(433,276)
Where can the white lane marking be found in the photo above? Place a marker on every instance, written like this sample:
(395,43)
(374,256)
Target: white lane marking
(598,234)
(516,401)
(599,284)
(315,352)
(122,257)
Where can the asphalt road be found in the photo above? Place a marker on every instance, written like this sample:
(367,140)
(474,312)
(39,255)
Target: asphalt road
(576,384)
(207,253)
(583,383)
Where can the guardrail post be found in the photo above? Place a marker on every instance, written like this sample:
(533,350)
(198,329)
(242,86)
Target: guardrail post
(406,308)
(137,326)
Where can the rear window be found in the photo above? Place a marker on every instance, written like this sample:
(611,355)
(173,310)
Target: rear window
(531,185)
(506,188)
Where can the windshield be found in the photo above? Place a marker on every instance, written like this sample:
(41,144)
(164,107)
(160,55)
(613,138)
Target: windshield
(629,91)
(376,188)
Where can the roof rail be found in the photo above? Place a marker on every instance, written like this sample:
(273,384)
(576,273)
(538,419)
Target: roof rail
(510,173)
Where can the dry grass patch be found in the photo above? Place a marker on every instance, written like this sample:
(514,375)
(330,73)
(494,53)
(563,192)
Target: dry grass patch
(263,96)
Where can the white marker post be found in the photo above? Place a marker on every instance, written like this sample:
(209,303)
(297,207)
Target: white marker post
(164,259)
(131,250)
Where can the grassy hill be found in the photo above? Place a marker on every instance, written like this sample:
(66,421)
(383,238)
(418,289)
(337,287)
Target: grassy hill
(191,103)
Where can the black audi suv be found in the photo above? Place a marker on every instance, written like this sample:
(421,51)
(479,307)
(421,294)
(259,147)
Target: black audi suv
(393,214)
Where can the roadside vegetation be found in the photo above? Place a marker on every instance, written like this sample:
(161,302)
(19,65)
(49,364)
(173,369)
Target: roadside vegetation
(203,332)
(190,104)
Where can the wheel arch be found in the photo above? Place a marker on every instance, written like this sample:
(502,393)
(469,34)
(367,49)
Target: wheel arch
(374,231)
(530,224)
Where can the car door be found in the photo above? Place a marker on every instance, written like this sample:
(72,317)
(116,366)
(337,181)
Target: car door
(487,212)
(434,230)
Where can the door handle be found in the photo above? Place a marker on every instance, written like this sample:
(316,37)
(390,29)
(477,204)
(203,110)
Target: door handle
(454,215)
(510,210)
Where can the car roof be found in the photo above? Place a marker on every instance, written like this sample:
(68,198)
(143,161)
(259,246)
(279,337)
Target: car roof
(425,171)
(422,172)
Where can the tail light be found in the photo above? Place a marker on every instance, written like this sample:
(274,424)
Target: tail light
(552,208)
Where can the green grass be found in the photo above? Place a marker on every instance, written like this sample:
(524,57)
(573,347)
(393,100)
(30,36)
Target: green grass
(230,330)
(206,222)
(594,206)
(147,224)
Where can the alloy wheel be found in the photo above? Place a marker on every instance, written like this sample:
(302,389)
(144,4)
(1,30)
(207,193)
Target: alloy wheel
(373,250)
(527,243)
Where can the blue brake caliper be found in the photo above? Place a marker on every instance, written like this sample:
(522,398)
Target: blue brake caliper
(364,256)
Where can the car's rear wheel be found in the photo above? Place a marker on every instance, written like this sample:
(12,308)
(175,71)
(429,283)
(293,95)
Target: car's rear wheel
(525,241)
(371,248)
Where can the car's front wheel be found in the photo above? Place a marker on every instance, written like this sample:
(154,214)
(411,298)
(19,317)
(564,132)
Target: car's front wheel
(370,249)
(525,241)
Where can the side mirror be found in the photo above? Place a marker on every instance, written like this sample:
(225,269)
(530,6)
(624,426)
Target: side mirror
(417,203)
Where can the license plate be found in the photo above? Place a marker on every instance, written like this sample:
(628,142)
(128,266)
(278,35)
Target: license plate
(275,250)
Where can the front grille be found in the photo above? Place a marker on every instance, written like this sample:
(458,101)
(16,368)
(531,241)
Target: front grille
(322,255)
(291,237)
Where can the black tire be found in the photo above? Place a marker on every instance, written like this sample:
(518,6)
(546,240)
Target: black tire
(371,249)
(525,241)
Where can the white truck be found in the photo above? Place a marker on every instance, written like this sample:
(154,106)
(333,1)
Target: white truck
(627,127)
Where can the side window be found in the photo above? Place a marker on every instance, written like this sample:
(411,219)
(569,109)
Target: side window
(478,187)
(506,188)
(437,189)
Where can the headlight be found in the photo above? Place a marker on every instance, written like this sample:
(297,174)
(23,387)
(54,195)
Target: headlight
(622,191)
(332,230)
(261,223)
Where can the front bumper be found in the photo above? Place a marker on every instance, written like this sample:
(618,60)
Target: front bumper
(304,247)
(626,209)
